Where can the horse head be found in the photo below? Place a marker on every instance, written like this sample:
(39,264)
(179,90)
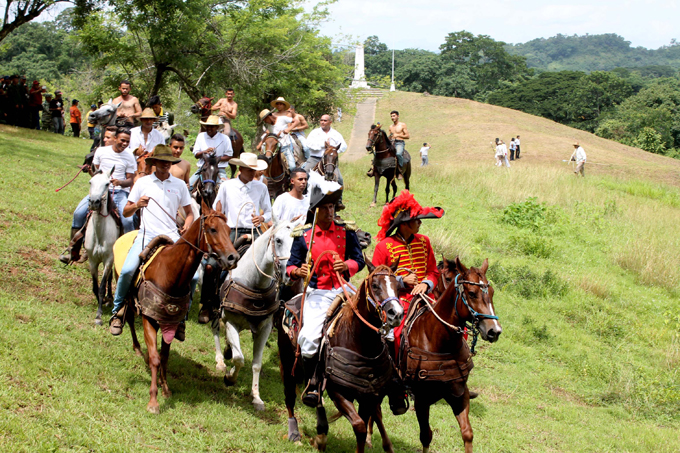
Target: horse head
(99,189)
(216,233)
(104,115)
(281,239)
(166,130)
(474,299)
(381,291)
(329,161)
(202,104)
(209,176)
(373,136)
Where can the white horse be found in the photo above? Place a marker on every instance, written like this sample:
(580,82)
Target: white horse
(256,270)
(102,232)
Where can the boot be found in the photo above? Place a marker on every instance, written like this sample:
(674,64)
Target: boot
(399,172)
(66,256)
(339,206)
(311,396)
(77,244)
(369,173)
(117,322)
(180,333)
(396,391)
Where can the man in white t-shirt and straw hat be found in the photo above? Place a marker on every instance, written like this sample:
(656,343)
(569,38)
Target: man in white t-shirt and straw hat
(212,143)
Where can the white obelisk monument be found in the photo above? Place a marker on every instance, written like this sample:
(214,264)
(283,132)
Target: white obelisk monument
(359,74)
(392,87)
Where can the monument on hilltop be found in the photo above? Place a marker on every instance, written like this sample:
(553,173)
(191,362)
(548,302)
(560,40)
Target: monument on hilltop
(359,74)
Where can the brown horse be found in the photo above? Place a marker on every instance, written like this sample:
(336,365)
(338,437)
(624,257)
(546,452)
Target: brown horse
(208,182)
(277,173)
(328,166)
(434,357)
(385,163)
(355,332)
(171,272)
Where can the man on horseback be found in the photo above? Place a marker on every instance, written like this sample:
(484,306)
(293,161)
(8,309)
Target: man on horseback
(317,140)
(144,138)
(107,157)
(400,243)
(161,194)
(326,234)
(227,109)
(129,109)
(212,143)
(298,132)
(398,133)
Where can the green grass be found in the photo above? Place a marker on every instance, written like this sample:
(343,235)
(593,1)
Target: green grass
(586,291)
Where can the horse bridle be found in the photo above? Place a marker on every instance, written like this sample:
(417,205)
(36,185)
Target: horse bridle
(370,297)
(375,140)
(327,165)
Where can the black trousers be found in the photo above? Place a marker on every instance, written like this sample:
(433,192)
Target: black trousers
(512,154)
(75,127)
(517,152)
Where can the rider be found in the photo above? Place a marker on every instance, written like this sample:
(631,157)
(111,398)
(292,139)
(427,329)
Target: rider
(284,125)
(212,143)
(317,141)
(145,138)
(161,115)
(295,203)
(329,234)
(161,194)
(227,110)
(183,169)
(106,158)
(398,133)
(129,108)
(299,131)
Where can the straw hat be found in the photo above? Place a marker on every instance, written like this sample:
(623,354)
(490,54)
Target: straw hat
(249,160)
(164,153)
(213,120)
(148,114)
(281,100)
(576,144)
(265,113)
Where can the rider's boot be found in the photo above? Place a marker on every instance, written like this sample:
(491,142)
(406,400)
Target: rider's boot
(370,171)
(396,391)
(311,396)
(66,256)
(180,333)
(398,170)
(339,206)
(117,321)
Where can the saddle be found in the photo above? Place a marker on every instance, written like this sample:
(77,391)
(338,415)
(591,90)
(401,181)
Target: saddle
(367,375)
(242,300)
(291,316)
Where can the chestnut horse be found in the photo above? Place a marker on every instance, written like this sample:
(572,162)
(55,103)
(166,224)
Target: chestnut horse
(385,163)
(171,272)
(356,331)
(277,173)
(434,358)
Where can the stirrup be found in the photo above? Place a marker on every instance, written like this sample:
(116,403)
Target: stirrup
(310,398)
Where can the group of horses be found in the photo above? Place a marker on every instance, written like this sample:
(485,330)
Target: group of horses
(434,359)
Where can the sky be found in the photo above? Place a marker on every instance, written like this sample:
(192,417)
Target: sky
(424,24)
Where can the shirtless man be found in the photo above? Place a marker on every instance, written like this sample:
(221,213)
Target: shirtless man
(227,111)
(130,109)
(181,170)
(298,131)
(398,133)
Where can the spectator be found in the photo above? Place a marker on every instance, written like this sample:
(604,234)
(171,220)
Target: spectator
(16,102)
(513,148)
(46,117)
(25,120)
(517,145)
(579,157)
(91,126)
(57,109)
(35,104)
(76,118)
(4,104)
(423,154)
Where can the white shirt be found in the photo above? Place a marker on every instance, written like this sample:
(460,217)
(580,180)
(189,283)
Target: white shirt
(580,155)
(501,150)
(253,197)
(287,207)
(171,194)
(317,141)
(137,138)
(513,145)
(517,141)
(281,124)
(220,143)
(424,150)
(122,163)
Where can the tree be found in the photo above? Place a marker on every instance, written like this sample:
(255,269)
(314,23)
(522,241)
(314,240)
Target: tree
(596,94)
(373,46)
(20,12)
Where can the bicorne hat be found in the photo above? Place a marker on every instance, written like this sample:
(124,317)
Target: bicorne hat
(326,192)
(402,209)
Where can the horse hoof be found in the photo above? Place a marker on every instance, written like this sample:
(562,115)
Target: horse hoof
(138,352)
(167,393)
(156,409)
(369,444)
(295,437)
(258,405)
(372,205)
(229,382)
(320,441)
(221,367)
(98,321)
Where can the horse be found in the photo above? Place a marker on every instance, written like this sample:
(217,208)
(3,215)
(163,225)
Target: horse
(166,282)
(208,182)
(434,358)
(249,301)
(385,163)
(328,166)
(166,130)
(203,107)
(100,235)
(355,334)
(277,172)
(106,115)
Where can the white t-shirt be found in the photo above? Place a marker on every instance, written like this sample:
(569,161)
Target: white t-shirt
(517,142)
(287,207)
(580,155)
(234,194)
(124,162)
(137,138)
(220,143)
(171,194)
(317,141)
(424,150)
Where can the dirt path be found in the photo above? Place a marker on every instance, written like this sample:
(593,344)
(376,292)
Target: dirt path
(362,124)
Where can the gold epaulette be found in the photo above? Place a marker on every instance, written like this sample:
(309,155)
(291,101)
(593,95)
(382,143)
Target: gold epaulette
(300,230)
(348,224)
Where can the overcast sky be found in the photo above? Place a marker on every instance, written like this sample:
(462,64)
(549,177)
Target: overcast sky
(424,24)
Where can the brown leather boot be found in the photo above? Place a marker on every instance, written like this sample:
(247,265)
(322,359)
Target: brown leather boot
(369,173)
(66,256)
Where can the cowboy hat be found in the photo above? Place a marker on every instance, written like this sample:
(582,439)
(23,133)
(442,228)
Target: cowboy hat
(576,144)
(213,120)
(265,113)
(402,209)
(164,153)
(148,114)
(249,160)
(281,100)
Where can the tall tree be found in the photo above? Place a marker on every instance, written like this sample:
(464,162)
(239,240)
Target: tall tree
(19,12)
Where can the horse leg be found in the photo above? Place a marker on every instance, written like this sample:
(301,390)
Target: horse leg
(130,320)
(259,340)
(108,300)
(286,366)
(423,414)
(378,418)
(376,186)
(150,335)
(407,176)
(165,355)
(234,342)
(390,180)
(346,408)
(219,358)
(461,409)
(321,438)
(394,188)
(94,272)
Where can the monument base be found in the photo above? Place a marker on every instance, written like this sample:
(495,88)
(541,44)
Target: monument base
(359,84)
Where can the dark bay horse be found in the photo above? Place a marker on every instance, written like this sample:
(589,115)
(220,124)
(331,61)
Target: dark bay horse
(385,163)
(208,182)
(434,358)
(355,333)
(328,166)
(277,173)
(170,273)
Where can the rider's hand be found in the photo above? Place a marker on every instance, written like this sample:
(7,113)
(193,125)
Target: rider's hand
(420,288)
(411,279)
(122,115)
(339,265)
(143,202)
(257,220)
(302,271)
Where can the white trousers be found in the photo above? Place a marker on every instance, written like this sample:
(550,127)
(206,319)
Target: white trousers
(317,302)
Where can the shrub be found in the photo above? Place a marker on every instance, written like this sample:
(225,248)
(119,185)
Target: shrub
(526,282)
(526,214)
(531,244)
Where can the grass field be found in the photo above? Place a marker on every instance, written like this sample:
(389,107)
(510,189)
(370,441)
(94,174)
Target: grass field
(586,273)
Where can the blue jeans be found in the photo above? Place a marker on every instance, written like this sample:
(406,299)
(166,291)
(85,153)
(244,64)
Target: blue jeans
(287,152)
(58,122)
(222,173)
(128,272)
(119,198)
(399,147)
(303,141)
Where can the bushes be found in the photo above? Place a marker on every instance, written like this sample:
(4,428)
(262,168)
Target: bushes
(526,214)
(527,283)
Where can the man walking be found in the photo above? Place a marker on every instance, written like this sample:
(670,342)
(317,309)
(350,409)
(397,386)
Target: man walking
(46,117)
(579,157)
(129,109)
(398,133)
(423,154)
(57,109)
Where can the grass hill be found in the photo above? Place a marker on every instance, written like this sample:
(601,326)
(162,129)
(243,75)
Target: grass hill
(586,273)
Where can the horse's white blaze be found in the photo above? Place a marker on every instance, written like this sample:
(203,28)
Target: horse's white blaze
(495,321)
(391,292)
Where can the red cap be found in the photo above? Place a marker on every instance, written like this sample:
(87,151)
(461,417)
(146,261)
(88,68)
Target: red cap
(35,82)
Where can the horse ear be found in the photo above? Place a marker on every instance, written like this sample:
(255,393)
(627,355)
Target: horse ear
(369,265)
(395,266)
(112,170)
(118,105)
(205,207)
(460,267)
(485,266)
(110,101)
